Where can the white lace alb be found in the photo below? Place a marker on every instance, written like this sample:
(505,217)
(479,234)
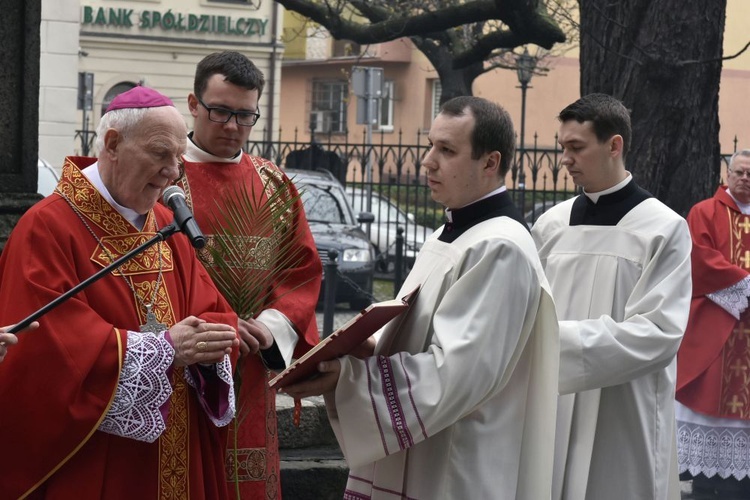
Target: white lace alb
(733,299)
(224,371)
(713,450)
(144,387)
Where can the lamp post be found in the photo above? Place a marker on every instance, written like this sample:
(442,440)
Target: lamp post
(525,65)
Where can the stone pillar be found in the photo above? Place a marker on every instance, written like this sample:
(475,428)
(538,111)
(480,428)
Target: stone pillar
(19,109)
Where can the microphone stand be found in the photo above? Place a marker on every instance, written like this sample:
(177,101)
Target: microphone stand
(160,235)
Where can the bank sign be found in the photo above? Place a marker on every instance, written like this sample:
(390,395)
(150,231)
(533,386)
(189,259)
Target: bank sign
(177,22)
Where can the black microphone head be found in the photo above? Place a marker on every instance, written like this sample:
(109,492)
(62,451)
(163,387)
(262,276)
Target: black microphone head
(170,192)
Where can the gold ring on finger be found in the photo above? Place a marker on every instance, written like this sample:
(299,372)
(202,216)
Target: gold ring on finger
(201,346)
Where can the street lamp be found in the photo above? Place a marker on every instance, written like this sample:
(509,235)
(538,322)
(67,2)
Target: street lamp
(525,65)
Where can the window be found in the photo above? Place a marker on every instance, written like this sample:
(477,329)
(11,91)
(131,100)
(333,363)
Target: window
(386,107)
(437,92)
(114,92)
(328,110)
(345,48)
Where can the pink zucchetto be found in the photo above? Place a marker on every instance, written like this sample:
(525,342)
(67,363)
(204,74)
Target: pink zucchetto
(139,97)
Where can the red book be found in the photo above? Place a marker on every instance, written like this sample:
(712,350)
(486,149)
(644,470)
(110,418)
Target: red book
(345,339)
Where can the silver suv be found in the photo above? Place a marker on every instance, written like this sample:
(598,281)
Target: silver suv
(383,229)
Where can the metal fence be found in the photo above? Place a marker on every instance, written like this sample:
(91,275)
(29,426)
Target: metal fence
(386,177)
(390,168)
(393,168)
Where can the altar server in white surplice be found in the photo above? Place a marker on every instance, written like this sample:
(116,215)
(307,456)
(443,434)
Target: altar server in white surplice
(459,399)
(618,261)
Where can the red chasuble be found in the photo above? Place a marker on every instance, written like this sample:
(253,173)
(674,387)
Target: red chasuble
(255,458)
(713,363)
(58,383)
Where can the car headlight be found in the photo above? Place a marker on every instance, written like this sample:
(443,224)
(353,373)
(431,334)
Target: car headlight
(356,255)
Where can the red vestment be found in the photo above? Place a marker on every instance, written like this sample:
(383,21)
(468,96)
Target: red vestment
(58,383)
(295,295)
(713,363)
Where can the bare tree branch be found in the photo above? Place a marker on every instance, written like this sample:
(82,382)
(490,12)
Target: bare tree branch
(408,19)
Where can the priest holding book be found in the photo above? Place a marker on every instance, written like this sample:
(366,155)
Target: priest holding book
(458,399)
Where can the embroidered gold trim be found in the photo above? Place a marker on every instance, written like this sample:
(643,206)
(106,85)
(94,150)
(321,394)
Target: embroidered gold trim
(735,371)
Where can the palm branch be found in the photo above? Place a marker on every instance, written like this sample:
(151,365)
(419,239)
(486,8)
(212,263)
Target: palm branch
(255,247)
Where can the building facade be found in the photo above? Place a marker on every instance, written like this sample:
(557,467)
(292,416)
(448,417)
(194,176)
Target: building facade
(120,44)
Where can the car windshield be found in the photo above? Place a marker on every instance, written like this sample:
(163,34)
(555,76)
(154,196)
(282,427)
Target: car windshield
(325,204)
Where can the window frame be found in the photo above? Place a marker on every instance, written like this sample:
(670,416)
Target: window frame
(319,107)
(385,110)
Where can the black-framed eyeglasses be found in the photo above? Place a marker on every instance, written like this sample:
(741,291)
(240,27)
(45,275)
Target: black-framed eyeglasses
(223,115)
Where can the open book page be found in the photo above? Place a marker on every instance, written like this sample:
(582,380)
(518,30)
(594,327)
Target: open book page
(345,339)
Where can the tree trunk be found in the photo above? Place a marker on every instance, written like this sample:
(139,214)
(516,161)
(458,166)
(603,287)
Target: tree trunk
(453,82)
(662,59)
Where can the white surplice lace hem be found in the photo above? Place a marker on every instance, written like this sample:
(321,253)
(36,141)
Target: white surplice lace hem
(224,371)
(713,450)
(733,299)
(144,387)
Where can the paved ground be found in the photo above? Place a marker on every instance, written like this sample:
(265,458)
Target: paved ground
(717,491)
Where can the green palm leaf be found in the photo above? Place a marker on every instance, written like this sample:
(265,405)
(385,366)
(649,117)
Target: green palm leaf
(254,247)
(255,244)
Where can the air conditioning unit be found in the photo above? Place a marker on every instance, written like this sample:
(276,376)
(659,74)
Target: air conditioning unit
(320,121)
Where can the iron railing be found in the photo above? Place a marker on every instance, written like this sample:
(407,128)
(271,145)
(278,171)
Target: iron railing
(390,167)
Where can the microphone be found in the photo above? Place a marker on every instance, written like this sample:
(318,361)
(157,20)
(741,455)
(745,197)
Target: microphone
(174,198)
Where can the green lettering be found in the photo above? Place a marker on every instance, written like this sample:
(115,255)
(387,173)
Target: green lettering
(126,17)
(263,23)
(101,17)
(114,17)
(145,19)
(242,25)
(88,15)
(204,23)
(180,26)
(193,22)
(167,20)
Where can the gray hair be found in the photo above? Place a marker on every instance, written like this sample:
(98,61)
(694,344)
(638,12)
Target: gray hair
(741,152)
(123,120)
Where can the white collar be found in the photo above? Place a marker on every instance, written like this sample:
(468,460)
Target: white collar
(194,154)
(744,207)
(595,196)
(92,174)
(499,190)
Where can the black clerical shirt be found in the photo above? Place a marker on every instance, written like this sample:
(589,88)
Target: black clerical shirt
(610,208)
(464,218)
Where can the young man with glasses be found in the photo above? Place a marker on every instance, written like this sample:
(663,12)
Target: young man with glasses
(224,105)
(713,414)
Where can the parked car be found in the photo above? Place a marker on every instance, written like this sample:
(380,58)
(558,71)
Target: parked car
(334,226)
(47,178)
(383,230)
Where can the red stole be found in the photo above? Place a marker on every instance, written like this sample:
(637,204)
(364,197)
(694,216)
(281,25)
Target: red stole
(713,364)
(253,457)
